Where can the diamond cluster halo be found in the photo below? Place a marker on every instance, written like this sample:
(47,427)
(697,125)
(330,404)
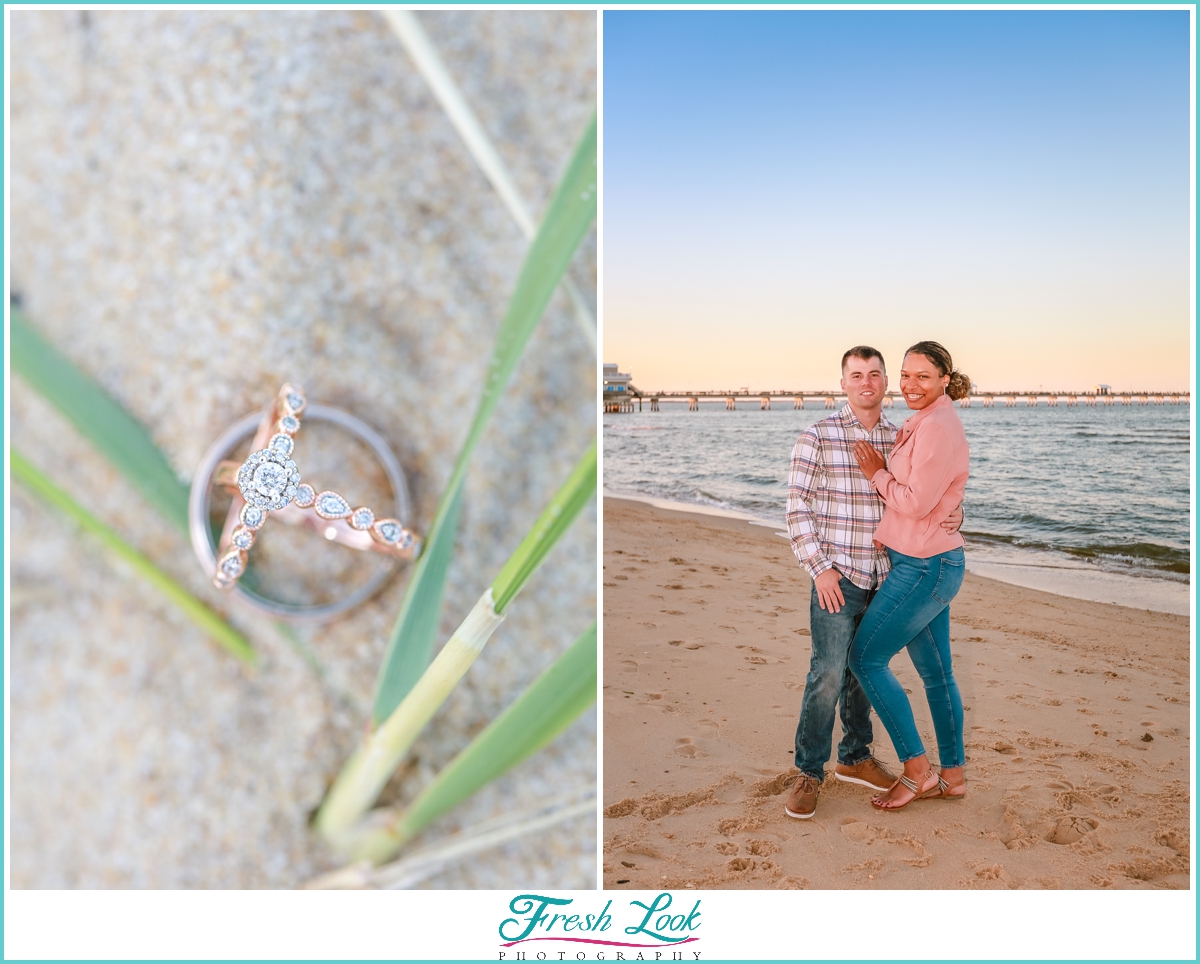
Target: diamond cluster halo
(268,478)
(269,481)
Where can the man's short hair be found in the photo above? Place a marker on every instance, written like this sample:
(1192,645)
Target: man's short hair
(866,353)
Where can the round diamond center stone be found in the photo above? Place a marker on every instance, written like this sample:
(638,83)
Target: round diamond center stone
(270,479)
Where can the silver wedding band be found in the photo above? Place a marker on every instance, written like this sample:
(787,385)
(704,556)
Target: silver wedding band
(200,498)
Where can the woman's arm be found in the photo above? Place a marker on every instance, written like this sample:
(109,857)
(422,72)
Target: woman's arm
(870,461)
(930,476)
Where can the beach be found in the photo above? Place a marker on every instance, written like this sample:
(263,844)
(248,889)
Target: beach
(1077,718)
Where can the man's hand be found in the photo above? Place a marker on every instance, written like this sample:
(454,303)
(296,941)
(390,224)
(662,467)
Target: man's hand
(829,592)
(869,459)
(954,521)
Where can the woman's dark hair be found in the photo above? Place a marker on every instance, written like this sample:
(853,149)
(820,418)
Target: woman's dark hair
(960,384)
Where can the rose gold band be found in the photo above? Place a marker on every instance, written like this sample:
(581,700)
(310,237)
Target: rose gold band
(269,482)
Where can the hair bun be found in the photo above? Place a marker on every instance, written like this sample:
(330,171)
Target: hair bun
(960,385)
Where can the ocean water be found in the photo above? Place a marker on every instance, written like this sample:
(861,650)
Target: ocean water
(1101,490)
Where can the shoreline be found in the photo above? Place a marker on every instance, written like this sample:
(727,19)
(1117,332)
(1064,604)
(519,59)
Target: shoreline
(1028,568)
(1077,723)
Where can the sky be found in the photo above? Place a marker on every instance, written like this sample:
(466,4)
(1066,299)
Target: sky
(780,186)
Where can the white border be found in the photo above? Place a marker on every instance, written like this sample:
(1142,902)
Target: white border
(460,925)
(600,449)
(463,925)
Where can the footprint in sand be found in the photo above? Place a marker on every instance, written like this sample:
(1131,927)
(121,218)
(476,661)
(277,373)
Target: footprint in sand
(693,646)
(1174,839)
(712,725)
(655,696)
(685,747)
(1070,829)
(728,849)
(855,830)
(628,666)
(758,660)
(672,612)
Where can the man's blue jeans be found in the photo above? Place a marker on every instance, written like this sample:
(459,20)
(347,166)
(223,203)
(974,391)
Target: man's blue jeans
(912,609)
(830,680)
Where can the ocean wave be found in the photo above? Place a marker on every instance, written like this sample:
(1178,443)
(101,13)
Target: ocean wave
(1130,555)
(1108,488)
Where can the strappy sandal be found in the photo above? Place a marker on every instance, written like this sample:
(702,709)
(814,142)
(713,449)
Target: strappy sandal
(939,792)
(911,786)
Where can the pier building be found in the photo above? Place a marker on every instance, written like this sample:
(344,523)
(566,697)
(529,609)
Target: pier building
(619,390)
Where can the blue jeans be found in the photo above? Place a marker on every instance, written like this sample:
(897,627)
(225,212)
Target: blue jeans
(912,609)
(830,680)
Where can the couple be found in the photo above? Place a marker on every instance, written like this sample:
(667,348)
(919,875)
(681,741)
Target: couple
(853,520)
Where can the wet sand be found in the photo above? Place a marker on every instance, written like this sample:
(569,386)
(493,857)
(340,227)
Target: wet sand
(1077,717)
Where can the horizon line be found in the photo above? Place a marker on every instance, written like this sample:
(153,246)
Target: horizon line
(894,393)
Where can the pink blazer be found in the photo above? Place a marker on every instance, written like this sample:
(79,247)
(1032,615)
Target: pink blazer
(925,479)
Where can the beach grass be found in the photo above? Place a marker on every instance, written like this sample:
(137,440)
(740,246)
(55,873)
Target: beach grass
(568,217)
(364,775)
(209,621)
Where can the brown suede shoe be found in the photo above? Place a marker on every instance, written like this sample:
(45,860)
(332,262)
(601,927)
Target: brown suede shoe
(870,773)
(801,803)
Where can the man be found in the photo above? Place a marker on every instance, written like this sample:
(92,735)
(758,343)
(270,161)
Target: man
(832,512)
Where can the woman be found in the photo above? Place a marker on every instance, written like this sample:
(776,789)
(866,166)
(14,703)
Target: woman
(922,485)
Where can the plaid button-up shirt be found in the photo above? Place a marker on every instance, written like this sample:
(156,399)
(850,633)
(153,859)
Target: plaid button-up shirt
(832,511)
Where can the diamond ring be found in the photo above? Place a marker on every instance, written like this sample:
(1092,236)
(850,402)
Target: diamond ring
(268,483)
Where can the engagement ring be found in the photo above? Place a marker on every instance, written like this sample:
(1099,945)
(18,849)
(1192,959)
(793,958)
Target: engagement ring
(268,482)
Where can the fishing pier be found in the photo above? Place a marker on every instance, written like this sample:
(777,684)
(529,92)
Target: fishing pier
(632,399)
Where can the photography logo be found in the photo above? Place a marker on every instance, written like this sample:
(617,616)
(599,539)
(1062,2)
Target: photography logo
(554,929)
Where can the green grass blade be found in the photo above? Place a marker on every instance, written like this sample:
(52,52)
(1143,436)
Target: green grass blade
(100,419)
(364,775)
(541,713)
(553,522)
(200,614)
(416,626)
(570,214)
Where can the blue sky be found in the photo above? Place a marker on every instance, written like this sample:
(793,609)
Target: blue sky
(781,185)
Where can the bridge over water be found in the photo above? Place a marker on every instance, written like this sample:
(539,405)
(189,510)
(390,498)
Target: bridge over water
(634,399)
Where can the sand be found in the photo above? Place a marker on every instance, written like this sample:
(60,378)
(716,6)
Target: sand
(1077,718)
